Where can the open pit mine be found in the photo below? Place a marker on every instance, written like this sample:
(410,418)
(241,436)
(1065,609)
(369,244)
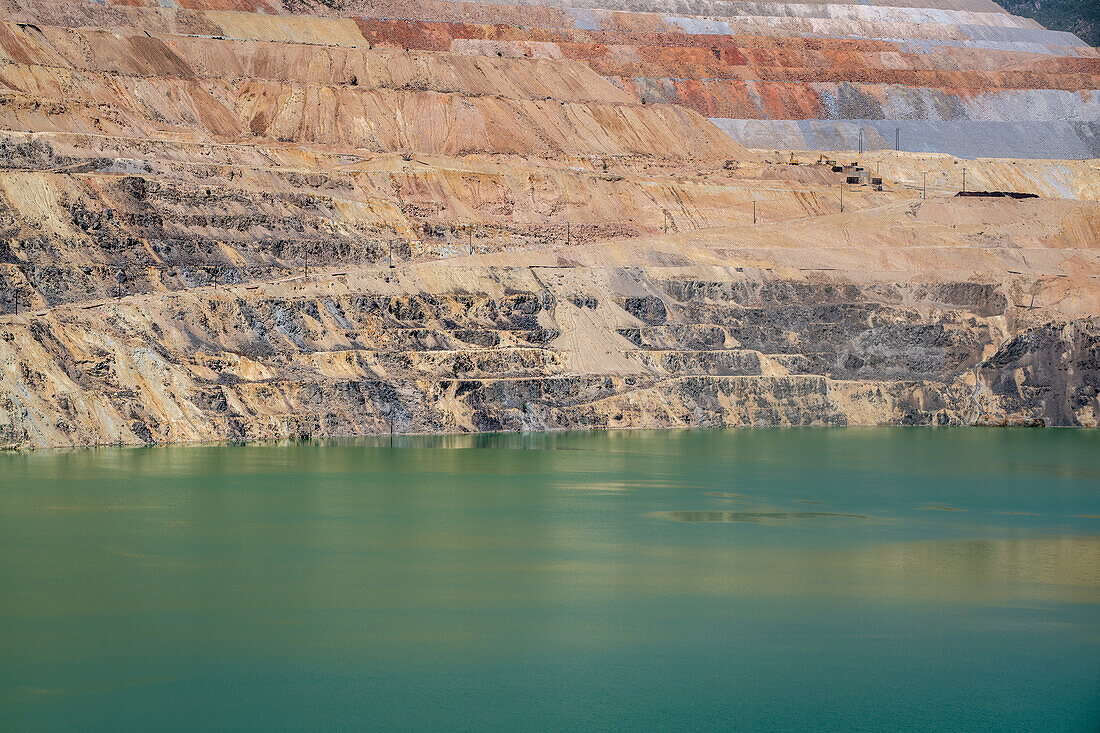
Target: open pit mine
(250,219)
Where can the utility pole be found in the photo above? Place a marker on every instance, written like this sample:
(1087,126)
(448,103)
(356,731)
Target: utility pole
(861,141)
(924,186)
(897,139)
(754,211)
(470,235)
(964,180)
(566,234)
(842,197)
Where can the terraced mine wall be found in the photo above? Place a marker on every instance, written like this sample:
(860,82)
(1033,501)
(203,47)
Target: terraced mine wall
(964,78)
(948,76)
(218,223)
(960,78)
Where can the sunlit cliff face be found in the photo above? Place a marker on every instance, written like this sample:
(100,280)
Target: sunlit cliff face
(201,205)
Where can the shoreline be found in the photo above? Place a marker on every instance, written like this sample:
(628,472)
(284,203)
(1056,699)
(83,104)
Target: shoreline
(552,431)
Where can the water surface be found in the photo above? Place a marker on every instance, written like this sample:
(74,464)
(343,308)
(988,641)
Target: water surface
(796,579)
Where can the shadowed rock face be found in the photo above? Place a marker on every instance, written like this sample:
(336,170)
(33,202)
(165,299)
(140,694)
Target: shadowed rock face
(250,225)
(1053,368)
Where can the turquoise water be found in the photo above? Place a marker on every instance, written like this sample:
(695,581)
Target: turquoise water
(816,579)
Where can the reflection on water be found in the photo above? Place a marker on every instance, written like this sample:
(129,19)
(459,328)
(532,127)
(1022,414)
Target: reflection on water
(1062,568)
(745,498)
(757,517)
(557,581)
(940,508)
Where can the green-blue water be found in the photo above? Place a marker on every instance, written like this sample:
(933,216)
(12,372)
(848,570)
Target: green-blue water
(771,579)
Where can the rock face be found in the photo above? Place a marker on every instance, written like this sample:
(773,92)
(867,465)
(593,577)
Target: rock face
(252,220)
(952,76)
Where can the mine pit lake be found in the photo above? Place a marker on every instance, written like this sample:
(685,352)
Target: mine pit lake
(791,579)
